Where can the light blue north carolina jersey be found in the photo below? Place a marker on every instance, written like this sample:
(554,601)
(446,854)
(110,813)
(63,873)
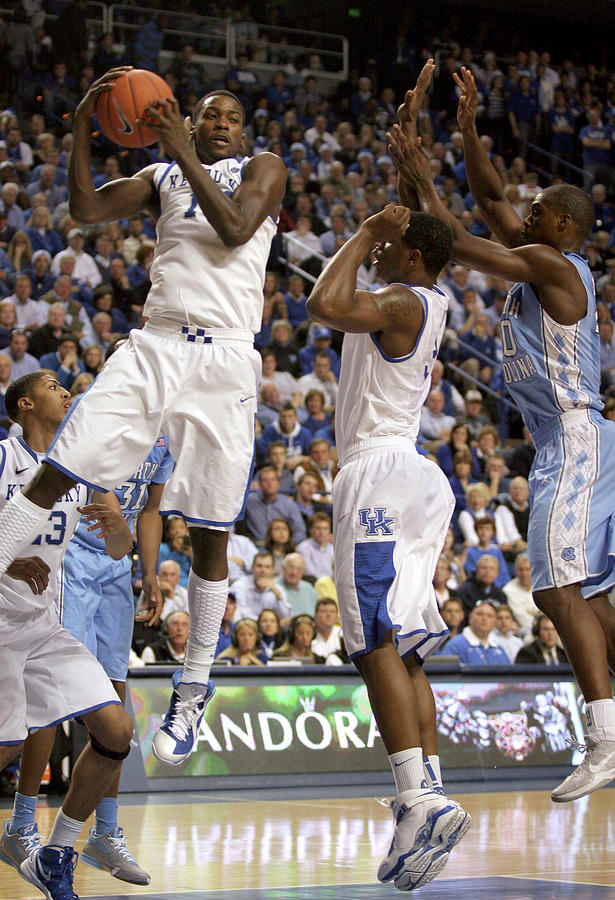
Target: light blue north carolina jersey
(132,495)
(550,368)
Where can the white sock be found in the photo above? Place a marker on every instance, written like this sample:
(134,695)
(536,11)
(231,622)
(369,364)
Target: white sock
(407,767)
(432,768)
(20,522)
(600,718)
(206,604)
(65,831)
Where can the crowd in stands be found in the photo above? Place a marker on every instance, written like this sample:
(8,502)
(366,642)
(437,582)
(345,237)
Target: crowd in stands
(66,292)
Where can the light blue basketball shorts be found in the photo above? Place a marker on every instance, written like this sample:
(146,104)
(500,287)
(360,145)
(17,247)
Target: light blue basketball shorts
(571,535)
(97,606)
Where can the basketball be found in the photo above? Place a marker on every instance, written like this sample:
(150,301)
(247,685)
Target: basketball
(118,110)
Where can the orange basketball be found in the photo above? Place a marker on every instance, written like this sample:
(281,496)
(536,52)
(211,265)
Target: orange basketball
(117,110)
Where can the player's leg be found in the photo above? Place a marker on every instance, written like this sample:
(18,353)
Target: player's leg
(193,689)
(51,867)
(605,614)
(106,845)
(20,833)
(582,626)
(427,825)
(428,731)
(214,421)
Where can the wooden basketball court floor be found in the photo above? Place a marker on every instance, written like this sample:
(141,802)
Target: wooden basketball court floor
(313,847)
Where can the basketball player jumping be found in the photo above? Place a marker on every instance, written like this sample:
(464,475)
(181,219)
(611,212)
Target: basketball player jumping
(392,508)
(552,368)
(191,373)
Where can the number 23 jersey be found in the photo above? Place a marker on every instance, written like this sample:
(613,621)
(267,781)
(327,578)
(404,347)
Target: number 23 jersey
(18,465)
(196,279)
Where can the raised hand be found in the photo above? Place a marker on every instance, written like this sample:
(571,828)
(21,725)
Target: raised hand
(173,130)
(468,101)
(408,112)
(410,161)
(87,107)
(389,224)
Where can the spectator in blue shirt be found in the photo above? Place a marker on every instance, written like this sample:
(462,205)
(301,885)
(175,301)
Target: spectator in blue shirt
(287,429)
(267,504)
(65,361)
(321,341)
(485,529)
(295,300)
(476,646)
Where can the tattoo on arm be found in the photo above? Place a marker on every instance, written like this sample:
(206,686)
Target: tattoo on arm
(389,307)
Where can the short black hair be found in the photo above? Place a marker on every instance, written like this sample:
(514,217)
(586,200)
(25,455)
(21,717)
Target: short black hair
(21,387)
(114,345)
(433,238)
(221,92)
(567,198)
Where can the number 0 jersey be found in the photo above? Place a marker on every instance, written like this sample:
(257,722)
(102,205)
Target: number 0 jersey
(196,279)
(18,464)
(549,368)
(382,397)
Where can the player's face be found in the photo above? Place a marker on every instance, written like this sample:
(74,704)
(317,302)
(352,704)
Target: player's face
(218,131)
(51,400)
(387,259)
(539,226)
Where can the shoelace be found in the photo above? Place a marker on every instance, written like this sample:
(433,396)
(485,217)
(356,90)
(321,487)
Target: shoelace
(180,723)
(118,843)
(582,748)
(30,841)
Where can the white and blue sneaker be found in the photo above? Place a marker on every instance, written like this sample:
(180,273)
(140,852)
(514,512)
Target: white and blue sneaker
(109,852)
(51,870)
(427,827)
(174,740)
(16,847)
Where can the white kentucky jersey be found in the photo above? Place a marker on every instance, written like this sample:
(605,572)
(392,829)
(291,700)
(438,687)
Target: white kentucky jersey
(550,368)
(18,464)
(381,396)
(196,279)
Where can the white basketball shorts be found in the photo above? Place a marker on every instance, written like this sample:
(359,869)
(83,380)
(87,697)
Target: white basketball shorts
(201,393)
(391,510)
(47,676)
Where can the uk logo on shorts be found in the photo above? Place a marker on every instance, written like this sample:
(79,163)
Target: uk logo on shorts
(568,554)
(376,521)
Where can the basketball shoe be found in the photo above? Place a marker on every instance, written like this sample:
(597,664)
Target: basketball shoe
(51,869)
(174,740)
(109,852)
(427,827)
(16,847)
(596,771)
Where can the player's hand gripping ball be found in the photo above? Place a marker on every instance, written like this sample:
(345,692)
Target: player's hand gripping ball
(117,110)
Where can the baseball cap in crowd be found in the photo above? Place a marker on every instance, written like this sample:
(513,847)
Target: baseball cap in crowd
(3,145)
(321,332)
(260,114)
(384,160)
(38,253)
(474,397)
(298,146)
(365,152)
(74,232)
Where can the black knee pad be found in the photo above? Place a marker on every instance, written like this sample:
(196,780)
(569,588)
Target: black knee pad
(108,754)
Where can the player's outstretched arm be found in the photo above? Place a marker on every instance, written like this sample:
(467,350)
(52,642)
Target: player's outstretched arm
(117,199)
(560,289)
(149,535)
(407,116)
(485,184)
(336,302)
